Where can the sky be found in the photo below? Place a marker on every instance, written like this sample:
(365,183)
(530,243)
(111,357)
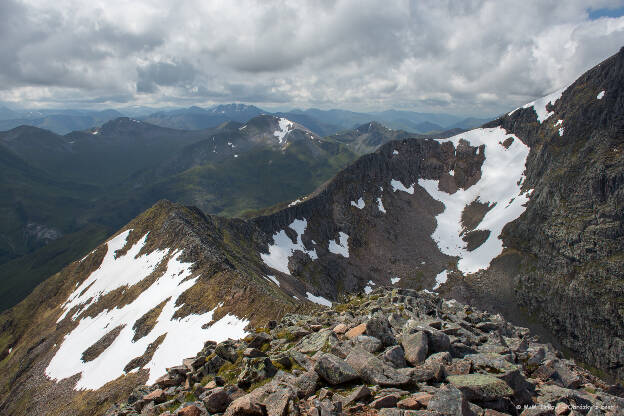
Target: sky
(469,57)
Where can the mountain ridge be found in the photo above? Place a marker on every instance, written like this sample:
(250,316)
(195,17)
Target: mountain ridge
(508,217)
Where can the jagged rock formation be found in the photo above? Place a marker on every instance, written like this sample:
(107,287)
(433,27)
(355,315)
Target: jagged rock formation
(394,352)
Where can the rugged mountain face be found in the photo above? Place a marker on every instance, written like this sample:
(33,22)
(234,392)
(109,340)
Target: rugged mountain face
(128,165)
(521,216)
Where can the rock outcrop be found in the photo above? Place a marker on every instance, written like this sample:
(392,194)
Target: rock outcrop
(474,363)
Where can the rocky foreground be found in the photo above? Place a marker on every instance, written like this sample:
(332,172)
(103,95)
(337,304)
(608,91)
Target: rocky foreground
(392,352)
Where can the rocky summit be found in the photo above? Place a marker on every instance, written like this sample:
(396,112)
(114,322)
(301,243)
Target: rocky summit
(393,352)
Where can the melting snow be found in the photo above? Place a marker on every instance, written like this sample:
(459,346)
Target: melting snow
(284,127)
(283,247)
(452,172)
(540,104)
(274,279)
(318,299)
(370,282)
(380,205)
(502,172)
(600,95)
(440,278)
(184,337)
(295,202)
(368,289)
(561,131)
(395,280)
(398,186)
(342,247)
(395,152)
(359,204)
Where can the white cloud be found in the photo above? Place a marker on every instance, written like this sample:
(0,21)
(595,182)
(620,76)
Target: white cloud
(455,56)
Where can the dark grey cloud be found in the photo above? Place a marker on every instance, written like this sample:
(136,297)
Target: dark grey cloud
(157,74)
(470,57)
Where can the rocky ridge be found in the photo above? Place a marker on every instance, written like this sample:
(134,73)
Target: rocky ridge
(393,352)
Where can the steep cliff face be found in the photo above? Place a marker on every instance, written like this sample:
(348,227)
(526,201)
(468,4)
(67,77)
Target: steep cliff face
(565,259)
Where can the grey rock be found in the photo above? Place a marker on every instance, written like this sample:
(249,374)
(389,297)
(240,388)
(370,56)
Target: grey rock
(334,370)
(316,341)
(369,343)
(449,401)
(395,356)
(374,371)
(415,347)
(379,327)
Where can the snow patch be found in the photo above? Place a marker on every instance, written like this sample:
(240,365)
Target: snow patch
(380,205)
(398,186)
(395,152)
(274,280)
(285,126)
(561,131)
(320,300)
(502,172)
(559,122)
(295,202)
(342,248)
(540,104)
(129,269)
(395,280)
(368,289)
(283,247)
(600,95)
(440,278)
(359,204)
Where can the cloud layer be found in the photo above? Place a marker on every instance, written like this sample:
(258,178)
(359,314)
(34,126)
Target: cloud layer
(461,56)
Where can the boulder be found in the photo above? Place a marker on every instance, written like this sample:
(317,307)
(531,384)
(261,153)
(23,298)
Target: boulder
(395,356)
(379,327)
(390,400)
(340,329)
(449,401)
(356,331)
(415,347)
(217,400)
(246,406)
(316,341)
(227,350)
(255,370)
(158,396)
(334,370)
(374,371)
(191,410)
(369,343)
(480,387)
(306,384)
(259,339)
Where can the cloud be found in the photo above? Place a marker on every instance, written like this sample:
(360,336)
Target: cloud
(470,57)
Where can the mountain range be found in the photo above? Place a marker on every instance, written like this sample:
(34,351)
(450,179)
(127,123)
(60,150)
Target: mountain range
(71,191)
(521,217)
(321,122)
